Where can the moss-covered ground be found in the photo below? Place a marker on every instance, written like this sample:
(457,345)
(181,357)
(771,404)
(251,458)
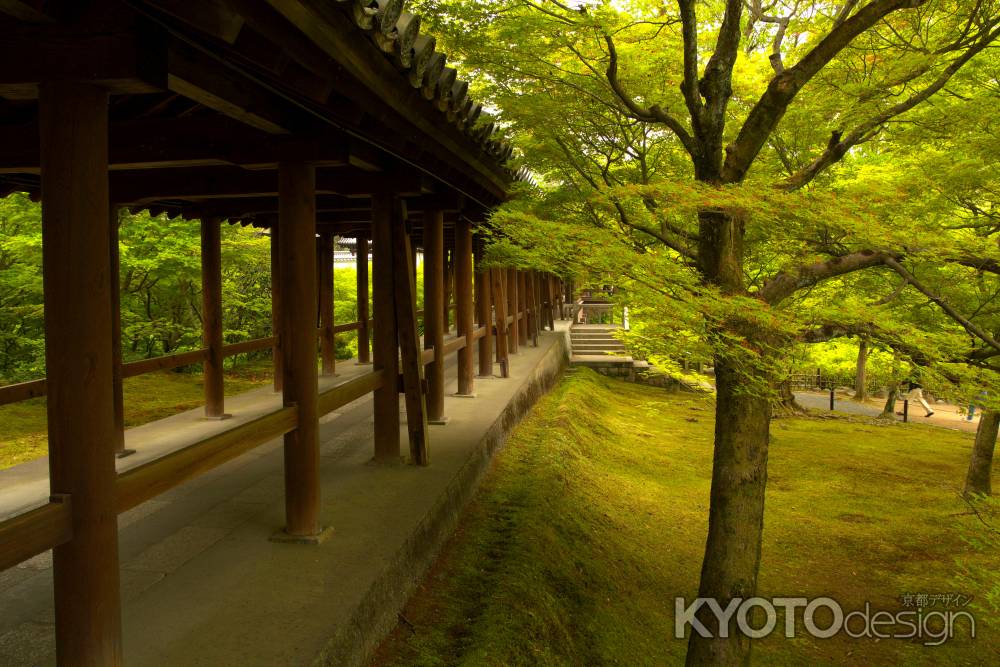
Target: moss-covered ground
(147,398)
(593,519)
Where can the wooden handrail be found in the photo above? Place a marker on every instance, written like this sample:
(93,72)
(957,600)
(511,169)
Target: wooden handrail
(29,534)
(342,394)
(341,328)
(169,361)
(149,480)
(350,326)
(427,356)
(243,347)
(22,391)
(455,344)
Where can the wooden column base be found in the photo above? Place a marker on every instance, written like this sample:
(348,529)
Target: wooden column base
(282,537)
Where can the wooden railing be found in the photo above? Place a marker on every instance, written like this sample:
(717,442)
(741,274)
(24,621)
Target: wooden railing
(35,531)
(151,479)
(23,391)
(29,534)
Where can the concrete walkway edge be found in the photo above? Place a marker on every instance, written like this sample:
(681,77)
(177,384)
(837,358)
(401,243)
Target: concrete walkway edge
(355,642)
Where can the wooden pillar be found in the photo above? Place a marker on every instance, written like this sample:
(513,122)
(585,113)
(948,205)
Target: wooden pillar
(522,291)
(463,302)
(498,281)
(385,351)
(297,261)
(484,306)
(328,348)
(562,299)
(411,365)
(512,309)
(276,314)
(551,283)
(116,334)
(211,317)
(362,271)
(434,314)
(533,302)
(73,122)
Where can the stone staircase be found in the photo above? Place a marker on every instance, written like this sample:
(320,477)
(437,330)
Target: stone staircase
(596,340)
(595,346)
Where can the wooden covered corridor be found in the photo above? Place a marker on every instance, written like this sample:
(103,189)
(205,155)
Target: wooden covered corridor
(311,119)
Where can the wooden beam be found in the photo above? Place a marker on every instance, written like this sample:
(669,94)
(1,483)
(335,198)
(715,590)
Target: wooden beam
(463,303)
(211,318)
(212,140)
(212,17)
(224,89)
(346,392)
(149,480)
(121,62)
(385,350)
(329,27)
(35,531)
(76,266)
(264,209)
(136,187)
(409,342)
(297,249)
(444,203)
(434,313)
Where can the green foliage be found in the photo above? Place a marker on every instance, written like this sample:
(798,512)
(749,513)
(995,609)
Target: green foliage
(617,194)
(160,288)
(22,319)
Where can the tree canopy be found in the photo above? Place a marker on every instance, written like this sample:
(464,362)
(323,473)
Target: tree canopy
(758,176)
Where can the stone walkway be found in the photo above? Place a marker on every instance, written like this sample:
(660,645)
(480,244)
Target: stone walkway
(203,585)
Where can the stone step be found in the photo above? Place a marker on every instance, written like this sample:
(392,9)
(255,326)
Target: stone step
(599,335)
(597,341)
(597,349)
(601,361)
(585,339)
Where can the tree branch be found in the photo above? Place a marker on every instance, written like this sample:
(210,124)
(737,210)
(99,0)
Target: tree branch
(782,285)
(689,86)
(767,113)
(652,114)
(838,145)
(945,306)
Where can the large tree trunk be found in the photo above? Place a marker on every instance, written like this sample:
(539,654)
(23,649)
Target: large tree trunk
(861,377)
(736,514)
(977,480)
(739,466)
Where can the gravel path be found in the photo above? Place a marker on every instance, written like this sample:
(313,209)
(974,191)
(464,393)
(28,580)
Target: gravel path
(945,415)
